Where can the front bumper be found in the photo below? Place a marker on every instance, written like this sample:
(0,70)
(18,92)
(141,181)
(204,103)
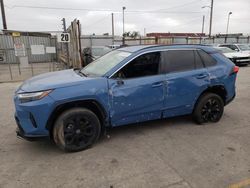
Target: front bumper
(21,134)
(241,61)
(31,118)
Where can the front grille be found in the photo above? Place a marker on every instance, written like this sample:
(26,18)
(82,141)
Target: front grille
(239,58)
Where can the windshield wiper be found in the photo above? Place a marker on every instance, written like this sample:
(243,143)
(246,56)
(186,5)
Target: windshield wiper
(78,71)
(82,74)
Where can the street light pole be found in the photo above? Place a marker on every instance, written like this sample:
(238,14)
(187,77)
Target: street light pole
(113,29)
(211,17)
(123,26)
(228,21)
(202,27)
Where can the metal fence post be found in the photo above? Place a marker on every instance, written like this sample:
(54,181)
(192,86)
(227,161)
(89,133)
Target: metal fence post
(29,54)
(11,76)
(17,59)
(156,40)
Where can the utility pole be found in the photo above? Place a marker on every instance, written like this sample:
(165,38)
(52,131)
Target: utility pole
(203,22)
(64,24)
(113,29)
(3,15)
(228,21)
(123,26)
(211,17)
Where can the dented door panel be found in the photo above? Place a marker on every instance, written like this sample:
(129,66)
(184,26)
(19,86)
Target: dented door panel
(136,100)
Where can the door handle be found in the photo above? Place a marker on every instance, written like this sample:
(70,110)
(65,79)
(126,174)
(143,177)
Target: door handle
(120,82)
(200,76)
(157,84)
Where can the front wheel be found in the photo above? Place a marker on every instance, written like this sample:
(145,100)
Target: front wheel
(209,108)
(76,129)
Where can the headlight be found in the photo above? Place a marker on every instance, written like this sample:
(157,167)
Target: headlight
(27,97)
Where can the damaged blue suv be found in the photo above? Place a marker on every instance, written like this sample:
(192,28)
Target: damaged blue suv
(128,85)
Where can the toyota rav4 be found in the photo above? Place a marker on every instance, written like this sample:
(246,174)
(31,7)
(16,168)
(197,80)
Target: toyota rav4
(129,85)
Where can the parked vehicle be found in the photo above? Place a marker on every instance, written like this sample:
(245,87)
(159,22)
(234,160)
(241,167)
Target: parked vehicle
(128,85)
(243,48)
(236,57)
(212,44)
(92,53)
(114,46)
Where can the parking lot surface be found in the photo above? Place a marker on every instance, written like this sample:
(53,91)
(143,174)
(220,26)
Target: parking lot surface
(172,153)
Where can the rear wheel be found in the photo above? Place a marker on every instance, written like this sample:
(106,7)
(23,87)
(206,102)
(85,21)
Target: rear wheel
(209,108)
(76,129)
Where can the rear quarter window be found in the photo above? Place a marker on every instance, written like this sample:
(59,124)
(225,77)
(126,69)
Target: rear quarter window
(207,59)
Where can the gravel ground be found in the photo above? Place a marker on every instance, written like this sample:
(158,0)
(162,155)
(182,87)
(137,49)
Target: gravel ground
(172,153)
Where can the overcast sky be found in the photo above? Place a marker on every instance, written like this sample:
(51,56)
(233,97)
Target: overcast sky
(155,16)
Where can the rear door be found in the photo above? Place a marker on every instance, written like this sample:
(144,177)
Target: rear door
(186,77)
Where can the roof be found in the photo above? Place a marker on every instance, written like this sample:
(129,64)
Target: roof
(138,48)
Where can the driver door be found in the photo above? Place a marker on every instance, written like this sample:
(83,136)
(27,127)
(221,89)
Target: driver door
(136,92)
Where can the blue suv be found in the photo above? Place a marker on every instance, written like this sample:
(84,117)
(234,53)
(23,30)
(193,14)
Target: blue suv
(128,85)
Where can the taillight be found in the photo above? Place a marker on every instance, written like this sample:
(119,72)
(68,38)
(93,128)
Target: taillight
(235,70)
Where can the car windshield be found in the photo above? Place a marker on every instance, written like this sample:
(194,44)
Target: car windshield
(225,50)
(105,63)
(97,52)
(244,47)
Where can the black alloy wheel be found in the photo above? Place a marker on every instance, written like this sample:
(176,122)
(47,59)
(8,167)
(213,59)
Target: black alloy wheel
(76,129)
(209,108)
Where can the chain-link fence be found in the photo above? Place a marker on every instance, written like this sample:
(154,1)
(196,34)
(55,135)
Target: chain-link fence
(20,57)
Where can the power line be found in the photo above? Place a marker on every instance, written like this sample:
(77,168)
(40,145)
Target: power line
(102,10)
(182,5)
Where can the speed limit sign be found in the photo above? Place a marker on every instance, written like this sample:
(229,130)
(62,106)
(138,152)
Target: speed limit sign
(63,37)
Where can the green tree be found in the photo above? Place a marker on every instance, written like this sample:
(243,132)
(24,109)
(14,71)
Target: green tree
(133,34)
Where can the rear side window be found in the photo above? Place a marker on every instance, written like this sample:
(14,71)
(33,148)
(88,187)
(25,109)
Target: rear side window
(207,59)
(179,60)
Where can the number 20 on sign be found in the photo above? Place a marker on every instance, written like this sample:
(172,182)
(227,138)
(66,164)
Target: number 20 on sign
(63,37)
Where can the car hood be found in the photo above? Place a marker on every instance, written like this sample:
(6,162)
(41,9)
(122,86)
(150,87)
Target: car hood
(236,54)
(52,80)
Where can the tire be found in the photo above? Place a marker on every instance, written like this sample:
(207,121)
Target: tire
(209,108)
(76,129)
